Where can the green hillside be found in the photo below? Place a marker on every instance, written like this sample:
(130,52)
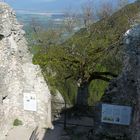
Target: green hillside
(90,58)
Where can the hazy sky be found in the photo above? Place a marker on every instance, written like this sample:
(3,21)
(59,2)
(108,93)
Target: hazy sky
(51,5)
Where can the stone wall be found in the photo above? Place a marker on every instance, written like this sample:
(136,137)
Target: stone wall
(19,76)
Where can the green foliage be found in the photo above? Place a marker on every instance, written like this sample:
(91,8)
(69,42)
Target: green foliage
(87,52)
(96,90)
(17,122)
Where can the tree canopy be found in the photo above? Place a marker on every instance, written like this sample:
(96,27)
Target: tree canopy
(88,56)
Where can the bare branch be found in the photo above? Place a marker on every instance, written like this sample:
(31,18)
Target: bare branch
(88,13)
(105,10)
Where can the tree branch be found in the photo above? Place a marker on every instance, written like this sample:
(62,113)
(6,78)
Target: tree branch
(68,77)
(105,73)
(101,76)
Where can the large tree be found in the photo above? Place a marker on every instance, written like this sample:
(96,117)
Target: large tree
(89,56)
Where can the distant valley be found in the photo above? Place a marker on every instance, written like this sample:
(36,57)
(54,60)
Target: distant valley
(40,18)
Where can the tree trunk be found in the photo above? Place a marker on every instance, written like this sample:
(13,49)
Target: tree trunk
(82,95)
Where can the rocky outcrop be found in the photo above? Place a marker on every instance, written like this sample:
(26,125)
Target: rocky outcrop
(24,94)
(125,90)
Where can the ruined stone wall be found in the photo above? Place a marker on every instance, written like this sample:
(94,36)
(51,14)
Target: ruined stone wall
(19,76)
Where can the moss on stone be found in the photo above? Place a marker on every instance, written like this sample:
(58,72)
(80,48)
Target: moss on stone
(17,122)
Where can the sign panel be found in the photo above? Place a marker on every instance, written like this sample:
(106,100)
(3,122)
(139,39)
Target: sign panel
(29,101)
(116,114)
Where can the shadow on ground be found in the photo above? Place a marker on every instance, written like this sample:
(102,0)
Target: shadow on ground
(72,124)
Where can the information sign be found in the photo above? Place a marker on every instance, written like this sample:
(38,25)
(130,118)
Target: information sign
(116,114)
(30,102)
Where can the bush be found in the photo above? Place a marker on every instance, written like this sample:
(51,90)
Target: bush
(17,122)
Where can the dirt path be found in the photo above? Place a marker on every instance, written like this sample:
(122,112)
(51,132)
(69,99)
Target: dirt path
(19,132)
(58,133)
(23,133)
(54,134)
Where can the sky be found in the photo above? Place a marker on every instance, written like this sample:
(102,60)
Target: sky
(51,5)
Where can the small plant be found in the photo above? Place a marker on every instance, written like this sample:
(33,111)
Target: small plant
(17,122)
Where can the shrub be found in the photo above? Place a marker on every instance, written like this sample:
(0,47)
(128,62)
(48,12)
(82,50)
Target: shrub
(17,122)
